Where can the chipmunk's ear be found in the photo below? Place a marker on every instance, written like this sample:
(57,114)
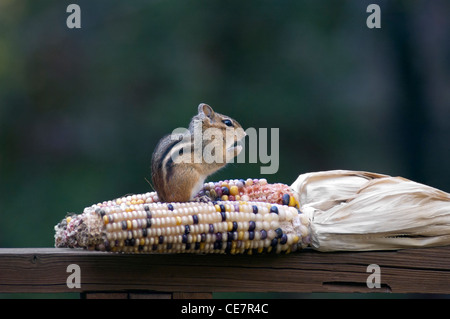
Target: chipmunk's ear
(206,110)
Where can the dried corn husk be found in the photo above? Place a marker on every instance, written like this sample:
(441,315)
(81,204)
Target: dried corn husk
(356,211)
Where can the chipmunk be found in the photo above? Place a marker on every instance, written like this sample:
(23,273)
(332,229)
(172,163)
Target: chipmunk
(182,161)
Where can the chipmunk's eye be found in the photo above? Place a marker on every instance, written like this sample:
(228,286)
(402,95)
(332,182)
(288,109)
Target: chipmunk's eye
(227,122)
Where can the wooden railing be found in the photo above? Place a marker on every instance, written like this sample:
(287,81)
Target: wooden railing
(109,275)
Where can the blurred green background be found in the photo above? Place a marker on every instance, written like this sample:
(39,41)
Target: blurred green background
(82,109)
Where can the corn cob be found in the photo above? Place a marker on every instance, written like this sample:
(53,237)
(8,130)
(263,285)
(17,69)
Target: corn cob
(140,223)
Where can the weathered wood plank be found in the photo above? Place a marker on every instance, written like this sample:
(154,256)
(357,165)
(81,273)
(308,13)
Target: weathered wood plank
(403,271)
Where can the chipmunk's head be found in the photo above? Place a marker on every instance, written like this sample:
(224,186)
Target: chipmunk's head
(215,125)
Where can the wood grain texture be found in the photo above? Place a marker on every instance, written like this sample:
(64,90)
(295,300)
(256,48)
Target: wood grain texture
(44,270)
